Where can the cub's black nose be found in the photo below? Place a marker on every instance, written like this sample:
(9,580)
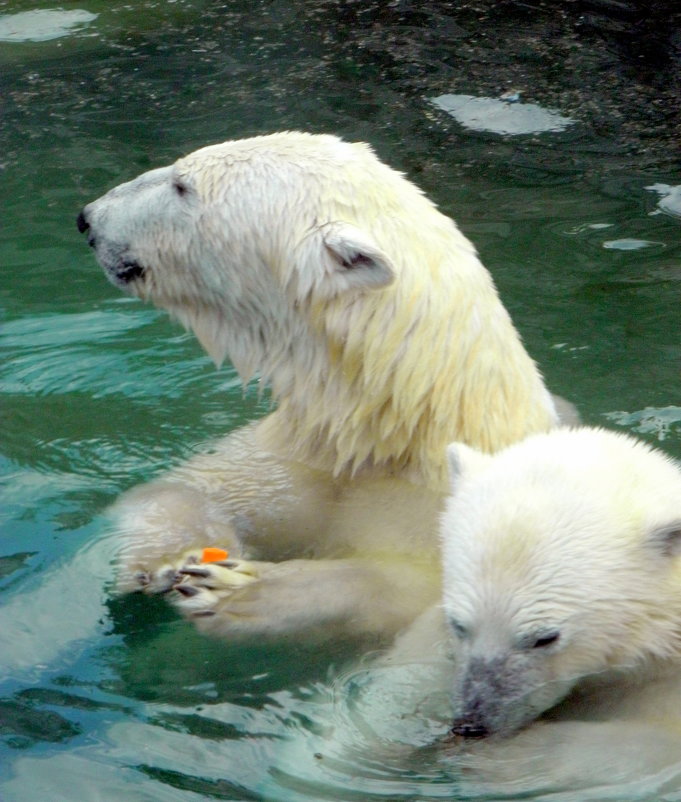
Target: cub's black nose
(82,223)
(468,729)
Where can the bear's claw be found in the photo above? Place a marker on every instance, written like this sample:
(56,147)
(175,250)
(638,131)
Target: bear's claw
(194,572)
(187,590)
(219,575)
(199,587)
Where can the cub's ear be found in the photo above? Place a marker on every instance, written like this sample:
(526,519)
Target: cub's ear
(464,461)
(667,539)
(353,260)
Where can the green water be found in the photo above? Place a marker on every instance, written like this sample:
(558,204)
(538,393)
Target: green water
(119,700)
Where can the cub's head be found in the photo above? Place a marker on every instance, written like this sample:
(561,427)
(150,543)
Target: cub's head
(561,563)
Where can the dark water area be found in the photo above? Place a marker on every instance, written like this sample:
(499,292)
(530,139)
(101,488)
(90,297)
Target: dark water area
(578,221)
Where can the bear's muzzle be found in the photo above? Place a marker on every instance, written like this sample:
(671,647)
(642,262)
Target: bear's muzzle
(121,270)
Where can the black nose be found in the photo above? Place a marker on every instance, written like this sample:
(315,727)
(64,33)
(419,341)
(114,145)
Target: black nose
(82,223)
(468,729)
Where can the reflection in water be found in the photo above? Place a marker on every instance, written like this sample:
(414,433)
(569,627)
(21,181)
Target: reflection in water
(41,25)
(670,198)
(662,423)
(119,700)
(498,116)
(629,244)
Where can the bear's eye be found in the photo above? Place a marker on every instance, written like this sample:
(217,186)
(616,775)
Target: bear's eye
(458,628)
(544,640)
(179,187)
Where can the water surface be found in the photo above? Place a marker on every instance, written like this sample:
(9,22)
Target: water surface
(120,700)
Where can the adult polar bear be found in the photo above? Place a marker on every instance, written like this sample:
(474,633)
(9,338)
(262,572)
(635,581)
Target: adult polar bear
(306,259)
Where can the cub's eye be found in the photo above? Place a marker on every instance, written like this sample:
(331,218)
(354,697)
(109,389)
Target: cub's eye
(545,640)
(179,187)
(458,628)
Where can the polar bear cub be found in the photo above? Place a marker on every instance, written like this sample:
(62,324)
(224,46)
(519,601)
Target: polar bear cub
(561,602)
(307,261)
(561,574)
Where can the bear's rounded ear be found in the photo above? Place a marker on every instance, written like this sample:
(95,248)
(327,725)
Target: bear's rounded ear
(354,260)
(464,461)
(667,539)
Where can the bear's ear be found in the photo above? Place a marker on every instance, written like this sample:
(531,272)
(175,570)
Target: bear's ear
(667,539)
(464,461)
(354,260)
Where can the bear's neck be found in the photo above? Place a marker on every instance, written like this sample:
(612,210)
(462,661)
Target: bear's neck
(393,390)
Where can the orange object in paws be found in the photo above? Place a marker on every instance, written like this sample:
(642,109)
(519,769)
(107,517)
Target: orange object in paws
(212,554)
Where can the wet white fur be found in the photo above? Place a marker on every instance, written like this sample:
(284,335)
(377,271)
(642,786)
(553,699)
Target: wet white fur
(576,532)
(306,259)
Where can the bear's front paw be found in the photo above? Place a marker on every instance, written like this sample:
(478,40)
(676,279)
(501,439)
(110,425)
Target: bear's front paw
(200,586)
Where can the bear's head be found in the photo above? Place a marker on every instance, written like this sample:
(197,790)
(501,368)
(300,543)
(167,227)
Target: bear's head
(232,237)
(562,565)
(307,260)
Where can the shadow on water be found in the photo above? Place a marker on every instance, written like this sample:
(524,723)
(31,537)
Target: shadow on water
(105,699)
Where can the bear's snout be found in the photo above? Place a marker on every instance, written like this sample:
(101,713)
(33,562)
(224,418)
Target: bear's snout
(473,722)
(121,269)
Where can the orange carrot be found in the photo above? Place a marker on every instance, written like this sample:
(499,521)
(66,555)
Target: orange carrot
(212,554)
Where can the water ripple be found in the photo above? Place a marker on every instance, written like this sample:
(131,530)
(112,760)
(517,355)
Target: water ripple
(99,353)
